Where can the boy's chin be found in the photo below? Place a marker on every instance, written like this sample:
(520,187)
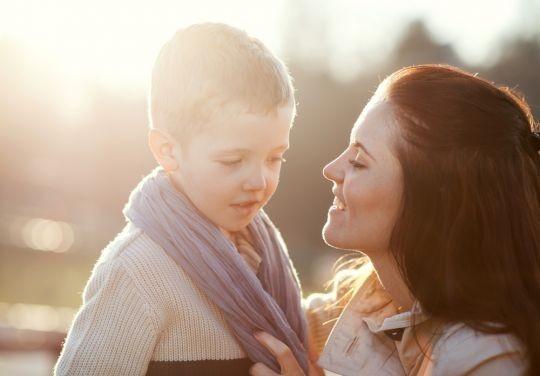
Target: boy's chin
(236,225)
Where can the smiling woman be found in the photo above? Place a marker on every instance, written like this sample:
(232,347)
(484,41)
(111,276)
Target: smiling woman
(368,184)
(440,189)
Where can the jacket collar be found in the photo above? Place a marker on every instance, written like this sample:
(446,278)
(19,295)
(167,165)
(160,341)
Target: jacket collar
(358,344)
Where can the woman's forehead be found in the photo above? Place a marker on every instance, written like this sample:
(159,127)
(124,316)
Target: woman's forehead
(375,124)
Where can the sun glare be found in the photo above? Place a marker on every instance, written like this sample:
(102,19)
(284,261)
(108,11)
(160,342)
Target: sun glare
(115,42)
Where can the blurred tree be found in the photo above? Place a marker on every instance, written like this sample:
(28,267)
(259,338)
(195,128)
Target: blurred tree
(417,46)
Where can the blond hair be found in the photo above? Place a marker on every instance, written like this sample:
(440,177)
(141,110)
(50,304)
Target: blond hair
(206,70)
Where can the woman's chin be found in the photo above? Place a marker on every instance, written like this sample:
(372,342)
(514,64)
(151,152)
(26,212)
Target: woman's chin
(331,236)
(336,237)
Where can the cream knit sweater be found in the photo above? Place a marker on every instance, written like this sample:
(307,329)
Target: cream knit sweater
(140,307)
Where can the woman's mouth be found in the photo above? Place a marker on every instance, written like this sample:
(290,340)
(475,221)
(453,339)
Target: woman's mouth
(338,204)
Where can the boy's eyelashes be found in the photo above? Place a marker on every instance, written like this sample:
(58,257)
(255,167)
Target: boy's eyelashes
(231,162)
(237,161)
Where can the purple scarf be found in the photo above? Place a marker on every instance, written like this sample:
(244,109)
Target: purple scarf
(270,303)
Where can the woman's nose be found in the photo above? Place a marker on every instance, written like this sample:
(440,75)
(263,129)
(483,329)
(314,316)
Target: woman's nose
(332,170)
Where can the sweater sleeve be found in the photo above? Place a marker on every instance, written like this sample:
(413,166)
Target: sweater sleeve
(115,330)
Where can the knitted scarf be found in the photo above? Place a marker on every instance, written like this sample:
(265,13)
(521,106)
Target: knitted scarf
(269,303)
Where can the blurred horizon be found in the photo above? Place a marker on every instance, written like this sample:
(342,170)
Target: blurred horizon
(73,115)
(113,44)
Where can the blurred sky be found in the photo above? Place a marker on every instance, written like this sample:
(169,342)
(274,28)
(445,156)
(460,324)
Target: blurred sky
(114,42)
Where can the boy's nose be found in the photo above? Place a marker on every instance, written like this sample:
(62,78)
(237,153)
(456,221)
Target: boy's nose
(256,181)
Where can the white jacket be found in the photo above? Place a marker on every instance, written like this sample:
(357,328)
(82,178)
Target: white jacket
(358,344)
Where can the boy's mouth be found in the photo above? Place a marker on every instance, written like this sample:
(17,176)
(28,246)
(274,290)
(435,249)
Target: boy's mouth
(246,207)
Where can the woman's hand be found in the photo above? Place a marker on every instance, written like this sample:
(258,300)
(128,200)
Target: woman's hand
(284,356)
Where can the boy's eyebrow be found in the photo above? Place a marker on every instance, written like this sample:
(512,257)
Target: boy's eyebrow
(242,150)
(233,150)
(359,145)
(282,147)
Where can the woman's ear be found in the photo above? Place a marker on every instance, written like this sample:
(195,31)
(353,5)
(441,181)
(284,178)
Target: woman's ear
(162,147)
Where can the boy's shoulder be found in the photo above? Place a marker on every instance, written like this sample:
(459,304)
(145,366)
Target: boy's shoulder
(138,254)
(147,265)
(125,242)
(131,242)
(149,269)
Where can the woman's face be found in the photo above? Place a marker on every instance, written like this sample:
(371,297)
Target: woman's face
(367,185)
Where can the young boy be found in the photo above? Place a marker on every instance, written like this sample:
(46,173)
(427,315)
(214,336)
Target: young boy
(199,267)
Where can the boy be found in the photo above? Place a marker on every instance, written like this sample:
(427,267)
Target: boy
(199,267)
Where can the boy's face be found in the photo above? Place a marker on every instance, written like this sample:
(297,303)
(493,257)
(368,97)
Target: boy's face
(230,170)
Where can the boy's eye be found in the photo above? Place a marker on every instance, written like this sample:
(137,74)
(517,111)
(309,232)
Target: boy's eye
(277,160)
(356,164)
(230,162)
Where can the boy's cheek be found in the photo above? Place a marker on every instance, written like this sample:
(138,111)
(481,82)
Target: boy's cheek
(273,184)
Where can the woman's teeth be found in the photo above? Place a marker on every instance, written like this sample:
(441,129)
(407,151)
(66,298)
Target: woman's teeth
(338,204)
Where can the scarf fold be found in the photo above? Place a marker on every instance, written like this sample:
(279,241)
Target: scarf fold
(244,245)
(270,303)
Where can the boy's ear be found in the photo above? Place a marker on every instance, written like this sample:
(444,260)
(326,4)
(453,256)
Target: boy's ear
(162,147)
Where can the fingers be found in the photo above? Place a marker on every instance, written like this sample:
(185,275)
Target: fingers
(315,370)
(313,353)
(259,369)
(282,353)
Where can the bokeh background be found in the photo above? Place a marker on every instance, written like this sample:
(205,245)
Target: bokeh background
(73,122)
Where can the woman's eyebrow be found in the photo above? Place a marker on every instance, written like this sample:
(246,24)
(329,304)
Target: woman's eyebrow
(359,145)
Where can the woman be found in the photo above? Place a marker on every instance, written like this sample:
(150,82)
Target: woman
(440,189)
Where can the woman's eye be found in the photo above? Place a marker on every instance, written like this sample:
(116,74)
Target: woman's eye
(356,164)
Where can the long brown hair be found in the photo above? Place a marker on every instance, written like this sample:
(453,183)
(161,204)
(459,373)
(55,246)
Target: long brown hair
(467,239)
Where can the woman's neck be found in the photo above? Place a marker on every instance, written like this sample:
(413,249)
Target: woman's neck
(390,277)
